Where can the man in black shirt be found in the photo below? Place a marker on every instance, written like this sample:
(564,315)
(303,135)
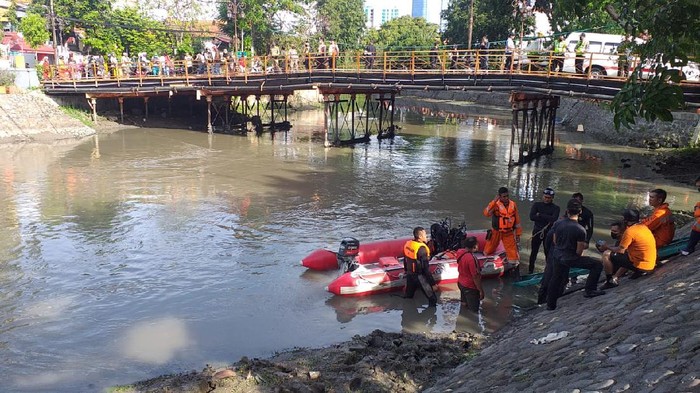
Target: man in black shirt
(585,218)
(544,214)
(569,241)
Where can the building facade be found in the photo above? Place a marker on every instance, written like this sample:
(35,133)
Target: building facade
(379,12)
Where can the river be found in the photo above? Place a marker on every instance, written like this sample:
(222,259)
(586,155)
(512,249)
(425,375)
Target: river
(153,251)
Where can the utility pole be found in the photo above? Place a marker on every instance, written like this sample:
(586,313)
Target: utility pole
(52,16)
(471,23)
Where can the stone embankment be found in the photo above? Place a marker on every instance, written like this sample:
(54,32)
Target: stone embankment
(596,119)
(35,117)
(643,336)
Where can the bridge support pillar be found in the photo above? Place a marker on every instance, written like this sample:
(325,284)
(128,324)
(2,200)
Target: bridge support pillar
(532,131)
(121,108)
(348,120)
(145,105)
(210,128)
(92,101)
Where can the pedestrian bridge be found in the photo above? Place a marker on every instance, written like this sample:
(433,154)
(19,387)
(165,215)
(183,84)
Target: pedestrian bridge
(237,91)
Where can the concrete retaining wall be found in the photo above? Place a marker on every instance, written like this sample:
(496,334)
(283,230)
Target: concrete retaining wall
(33,116)
(595,118)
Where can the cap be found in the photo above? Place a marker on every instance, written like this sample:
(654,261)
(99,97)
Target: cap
(631,215)
(573,204)
(548,191)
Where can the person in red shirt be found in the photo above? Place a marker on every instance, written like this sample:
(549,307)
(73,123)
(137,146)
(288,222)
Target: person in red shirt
(469,280)
(695,232)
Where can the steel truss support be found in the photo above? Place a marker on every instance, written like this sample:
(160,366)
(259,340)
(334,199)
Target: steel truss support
(532,131)
(232,113)
(352,118)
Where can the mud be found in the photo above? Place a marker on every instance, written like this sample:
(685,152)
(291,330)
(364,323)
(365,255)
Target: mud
(378,362)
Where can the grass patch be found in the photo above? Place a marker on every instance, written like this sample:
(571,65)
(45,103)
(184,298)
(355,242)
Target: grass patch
(690,151)
(79,114)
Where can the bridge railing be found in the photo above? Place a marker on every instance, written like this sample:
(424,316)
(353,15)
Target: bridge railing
(438,62)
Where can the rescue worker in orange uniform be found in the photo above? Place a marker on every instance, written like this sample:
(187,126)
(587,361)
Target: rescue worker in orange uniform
(660,221)
(505,224)
(416,264)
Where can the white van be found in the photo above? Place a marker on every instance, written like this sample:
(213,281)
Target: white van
(602,56)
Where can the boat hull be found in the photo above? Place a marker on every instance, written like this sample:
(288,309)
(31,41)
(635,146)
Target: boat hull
(370,252)
(322,259)
(388,274)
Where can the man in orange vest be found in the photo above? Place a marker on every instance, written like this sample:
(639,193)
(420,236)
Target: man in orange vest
(505,224)
(660,221)
(416,264)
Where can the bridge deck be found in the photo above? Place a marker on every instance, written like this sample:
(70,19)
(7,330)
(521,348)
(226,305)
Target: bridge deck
(367,81)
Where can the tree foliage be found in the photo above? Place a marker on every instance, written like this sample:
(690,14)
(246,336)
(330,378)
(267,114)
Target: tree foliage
(405,33)
(577,15)
(342,21)
(670,31)
(181,15)
(11,15)
(260,21)
(495,18)
(33,27)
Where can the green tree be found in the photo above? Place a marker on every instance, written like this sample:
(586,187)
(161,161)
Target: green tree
(11,15)
(495,18)
(33,27)
(342,21)
(406,33)
(259,21)
(577,15)
(131,31)
(181,15)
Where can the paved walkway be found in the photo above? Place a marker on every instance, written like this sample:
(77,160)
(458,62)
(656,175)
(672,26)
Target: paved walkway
(643,336)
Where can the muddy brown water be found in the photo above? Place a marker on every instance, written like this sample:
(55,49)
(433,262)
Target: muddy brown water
(153,251)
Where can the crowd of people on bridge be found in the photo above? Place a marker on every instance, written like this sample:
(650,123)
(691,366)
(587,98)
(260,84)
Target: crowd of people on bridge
(564,236)
(212,60)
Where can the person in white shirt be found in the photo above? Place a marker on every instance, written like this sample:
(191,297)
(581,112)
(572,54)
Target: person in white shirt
(510,49)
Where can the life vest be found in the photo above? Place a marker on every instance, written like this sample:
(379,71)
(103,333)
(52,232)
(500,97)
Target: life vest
(504,217)
(559,47)
(581,47)
(410,253)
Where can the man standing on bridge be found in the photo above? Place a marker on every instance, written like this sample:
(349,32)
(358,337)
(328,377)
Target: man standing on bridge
(505,226)
(581,48)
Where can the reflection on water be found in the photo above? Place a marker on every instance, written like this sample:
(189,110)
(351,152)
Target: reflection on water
(155,341)
(154,251)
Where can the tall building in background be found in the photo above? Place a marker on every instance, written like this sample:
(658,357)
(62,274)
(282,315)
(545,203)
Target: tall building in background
(419,9)
(378,12)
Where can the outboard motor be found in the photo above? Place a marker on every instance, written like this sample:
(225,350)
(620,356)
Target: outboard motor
(347,254)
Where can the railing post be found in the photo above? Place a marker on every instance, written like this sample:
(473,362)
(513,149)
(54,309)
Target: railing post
(590,65)
(549,64)
(187,74)
(413,63)
(384,67)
